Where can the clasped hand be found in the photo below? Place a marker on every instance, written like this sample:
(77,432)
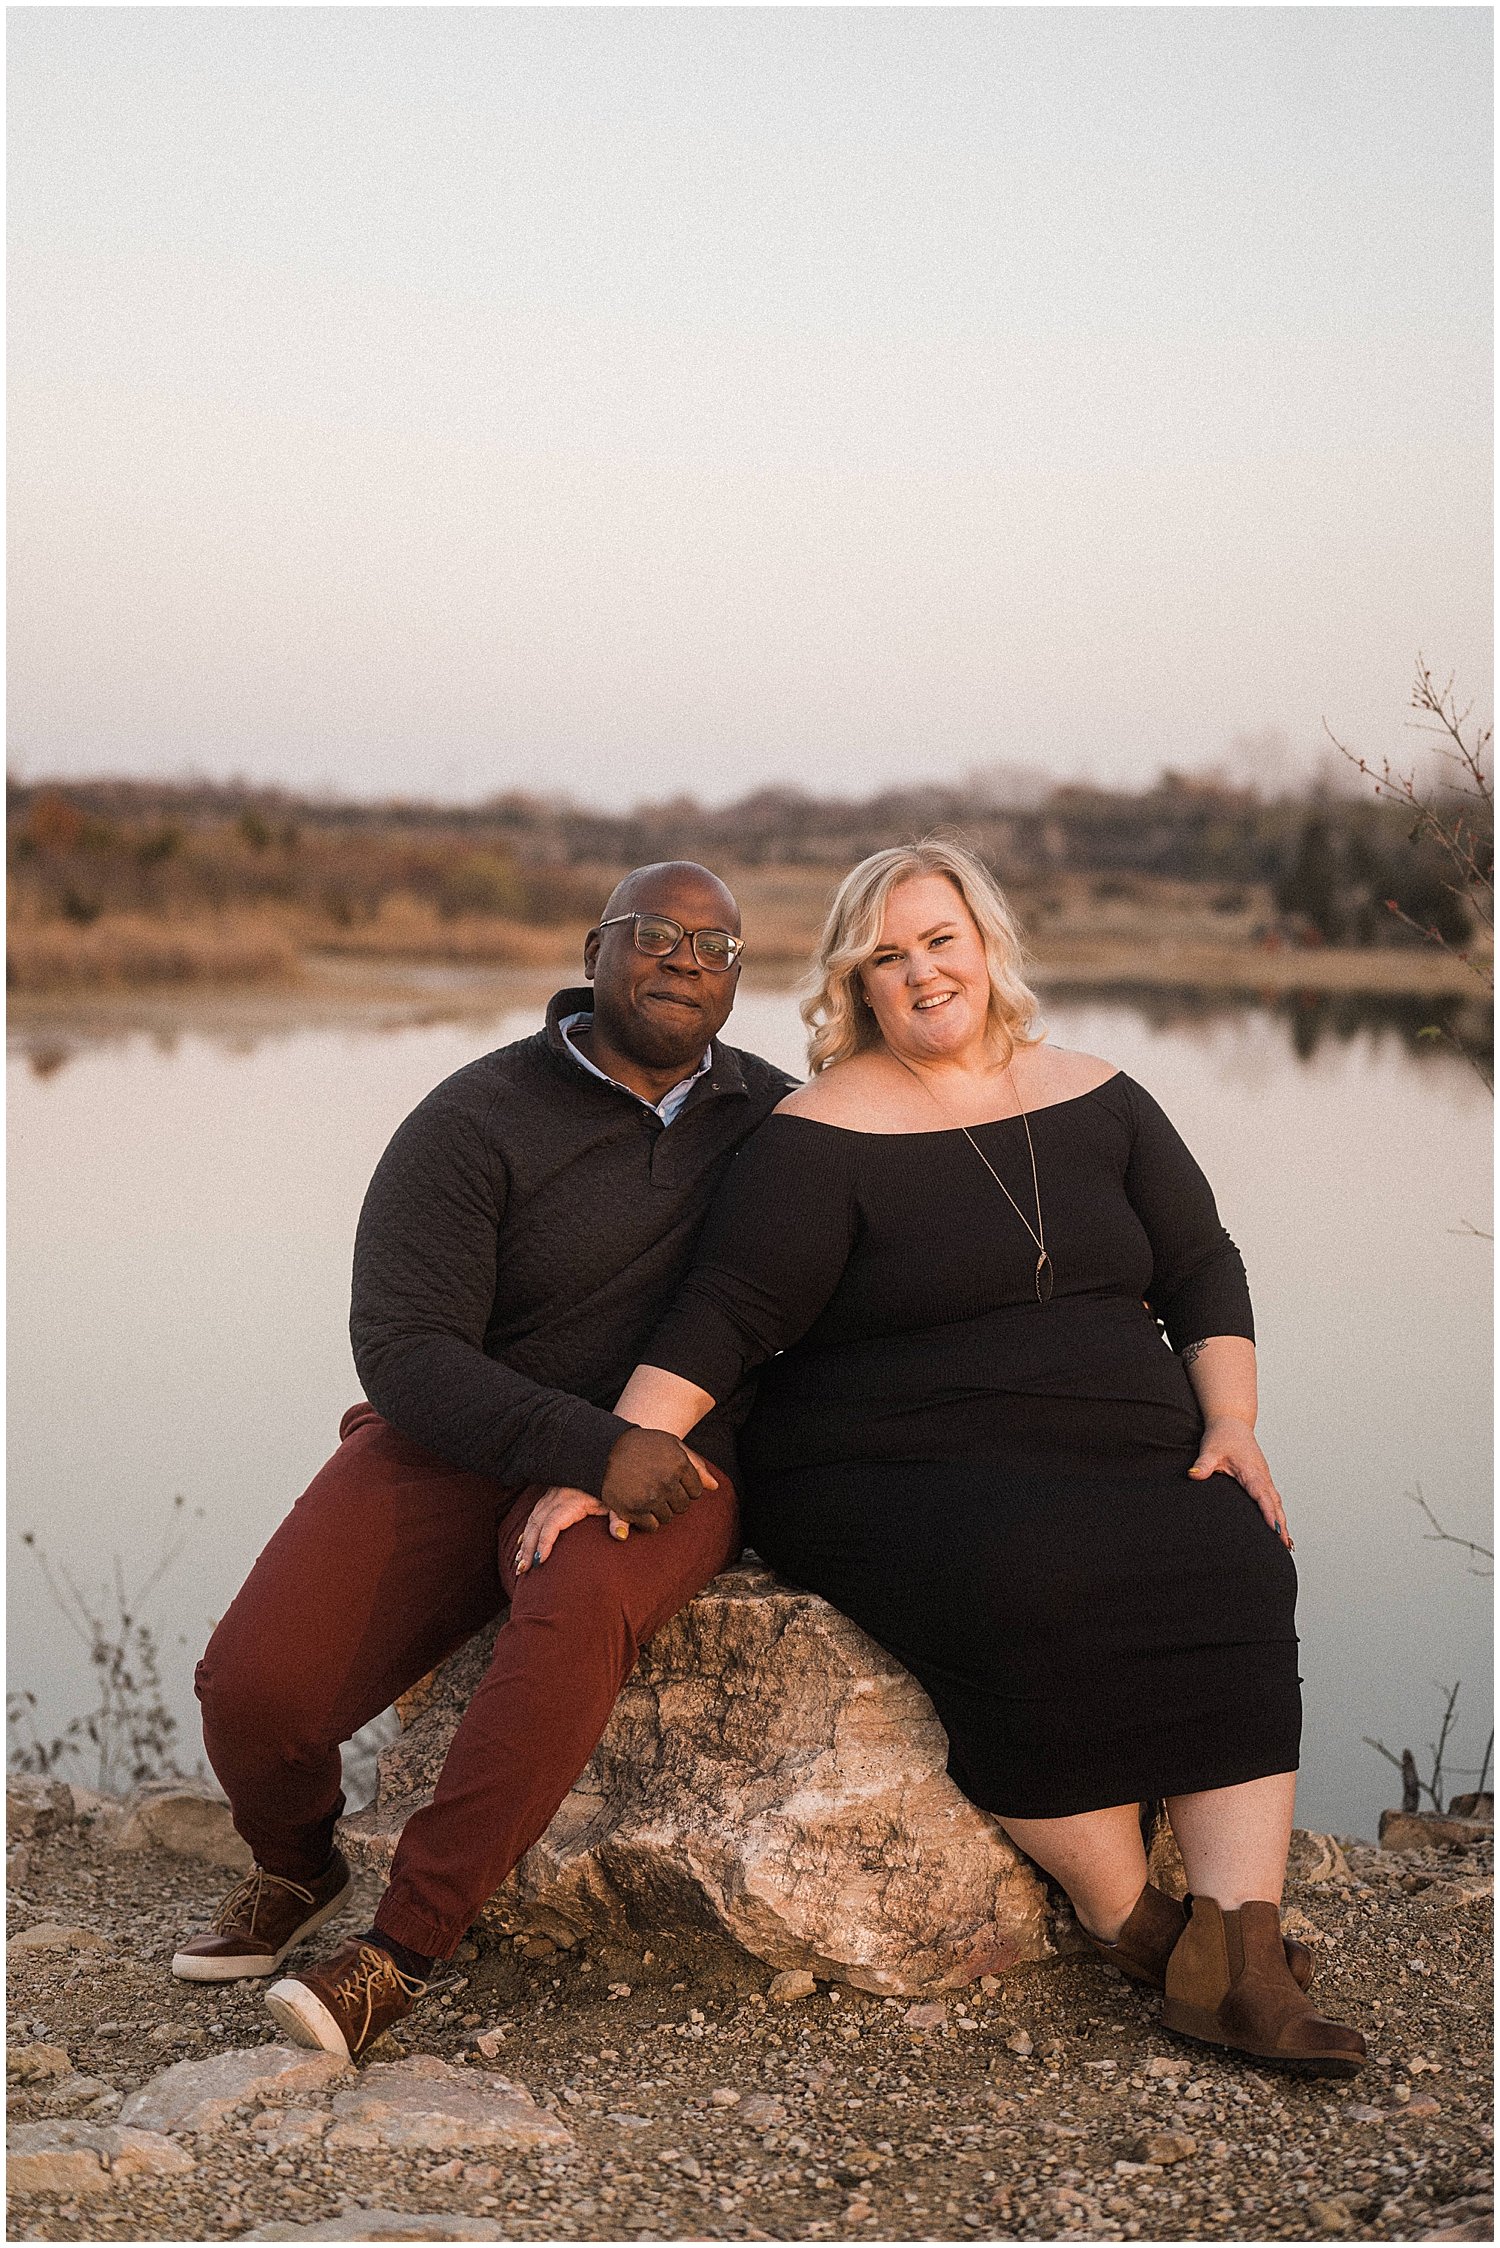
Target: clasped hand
(650,1477)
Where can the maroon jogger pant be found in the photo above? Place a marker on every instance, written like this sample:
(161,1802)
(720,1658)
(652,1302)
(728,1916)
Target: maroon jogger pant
(389,1561)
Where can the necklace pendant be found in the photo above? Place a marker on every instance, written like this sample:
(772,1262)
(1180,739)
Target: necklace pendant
(1044,1278)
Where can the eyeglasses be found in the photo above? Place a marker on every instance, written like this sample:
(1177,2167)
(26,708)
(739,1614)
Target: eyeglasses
(656,936)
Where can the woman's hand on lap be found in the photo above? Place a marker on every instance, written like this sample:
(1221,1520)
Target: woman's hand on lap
(555,1511)
(1229,1448)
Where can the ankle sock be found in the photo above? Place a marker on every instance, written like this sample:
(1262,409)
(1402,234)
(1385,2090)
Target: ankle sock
(417,1964)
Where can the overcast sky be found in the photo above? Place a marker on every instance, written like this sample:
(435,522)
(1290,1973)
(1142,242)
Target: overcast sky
(627,401)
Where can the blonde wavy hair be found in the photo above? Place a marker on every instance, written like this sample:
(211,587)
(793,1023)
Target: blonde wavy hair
(833,1007)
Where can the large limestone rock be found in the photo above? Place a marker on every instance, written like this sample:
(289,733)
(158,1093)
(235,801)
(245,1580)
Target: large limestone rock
(768,1773)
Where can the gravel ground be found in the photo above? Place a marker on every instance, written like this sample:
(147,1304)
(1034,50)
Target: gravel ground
(1050,2106)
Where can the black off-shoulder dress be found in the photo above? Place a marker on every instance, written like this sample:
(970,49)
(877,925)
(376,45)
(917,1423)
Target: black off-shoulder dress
(997,1489)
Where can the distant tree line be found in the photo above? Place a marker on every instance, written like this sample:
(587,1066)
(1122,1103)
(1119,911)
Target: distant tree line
(75,850)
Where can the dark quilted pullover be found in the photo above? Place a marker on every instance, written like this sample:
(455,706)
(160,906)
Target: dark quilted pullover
(523,1233)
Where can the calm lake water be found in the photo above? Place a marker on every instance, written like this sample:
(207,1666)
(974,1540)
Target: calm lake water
(182,1209)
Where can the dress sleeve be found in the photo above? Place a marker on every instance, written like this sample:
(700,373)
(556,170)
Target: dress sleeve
(1198,1286)
(771,1254)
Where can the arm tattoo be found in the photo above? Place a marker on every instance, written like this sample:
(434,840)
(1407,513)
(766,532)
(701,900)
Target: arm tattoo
(1190,1351)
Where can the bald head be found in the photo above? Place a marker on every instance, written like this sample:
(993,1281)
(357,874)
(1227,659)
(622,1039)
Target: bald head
(649,889)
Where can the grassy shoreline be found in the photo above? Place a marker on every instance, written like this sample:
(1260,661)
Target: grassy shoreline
(1151,931)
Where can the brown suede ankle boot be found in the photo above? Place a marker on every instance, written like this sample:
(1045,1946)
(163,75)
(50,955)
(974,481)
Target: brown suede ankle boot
(1228,1983)
(1149,1938)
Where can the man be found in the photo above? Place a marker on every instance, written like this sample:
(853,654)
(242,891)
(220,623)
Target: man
(522,1232)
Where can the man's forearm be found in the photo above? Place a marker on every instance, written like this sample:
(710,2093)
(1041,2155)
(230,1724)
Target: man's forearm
(480,1414)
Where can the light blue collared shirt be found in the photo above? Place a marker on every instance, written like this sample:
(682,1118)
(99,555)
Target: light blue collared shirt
(669,1104)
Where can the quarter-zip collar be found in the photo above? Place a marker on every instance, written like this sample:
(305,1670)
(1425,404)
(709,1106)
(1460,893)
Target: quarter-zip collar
(723,1075)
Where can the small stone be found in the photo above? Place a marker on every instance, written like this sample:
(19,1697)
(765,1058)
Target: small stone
(762,2111)
(858,2210)
(623,2120)
(73,2090)
(689,2167)
(792,1983)
(619,1990)
(89,1803)
(53,1935)
(932,2015)
(39,2162)
(187,1822)
(1423,2103)
(1365,2114)
(1463,1892)
(34,1806)
(1135,2169)
(489,2042)
(1331,2215)
(1168,2146)
(29,2064)
(1159,2065)
(1330,1864)
(428,2103)
(723,2097)
(1472,2218)
(1408,1831)
(201,2095)
(143,2154)
(70,2158)
(989,1984)
(1019,2042)
(385,2224)
(281,2127)
(353,2138)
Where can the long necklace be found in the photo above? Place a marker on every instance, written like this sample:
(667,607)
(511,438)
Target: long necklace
(1037,1231)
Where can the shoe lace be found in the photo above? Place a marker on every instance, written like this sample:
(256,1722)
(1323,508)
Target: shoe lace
(372,1975)
(236,1915)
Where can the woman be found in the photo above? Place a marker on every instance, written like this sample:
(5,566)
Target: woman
(975,1442)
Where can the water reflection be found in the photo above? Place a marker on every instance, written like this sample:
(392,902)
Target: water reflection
(1420,1024)
(1445,1023)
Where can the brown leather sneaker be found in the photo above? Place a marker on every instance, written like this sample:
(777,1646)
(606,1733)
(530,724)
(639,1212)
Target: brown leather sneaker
(344,2003)
(258,1923)
(1149,1937)
(1228,1984)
